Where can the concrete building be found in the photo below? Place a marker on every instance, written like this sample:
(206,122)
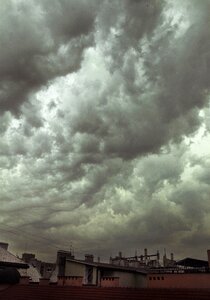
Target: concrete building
(88,272)
(45,269)
(178,280)
(138,261)
(187,273)
(8,260)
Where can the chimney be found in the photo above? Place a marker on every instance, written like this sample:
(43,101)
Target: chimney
(145,252)
(172,256)
(62,255)
(208,254)
(28,257)
(158,255)
(120,254)
(4,245)
(89,257)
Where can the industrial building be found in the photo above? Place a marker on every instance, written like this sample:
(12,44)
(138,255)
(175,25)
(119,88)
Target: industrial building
(139,271)
(143,271)
(88,272)
(186,273)
(45,269)
(121,271)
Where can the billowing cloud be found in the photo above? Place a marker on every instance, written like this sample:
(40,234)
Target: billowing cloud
(41,40)
(104,125)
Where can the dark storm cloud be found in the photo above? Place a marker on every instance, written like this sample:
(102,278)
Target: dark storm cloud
(193,200)
(155,80)
(40,41)
(106,93)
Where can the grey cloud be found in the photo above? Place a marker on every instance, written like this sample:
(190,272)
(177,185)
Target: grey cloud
(32,115)
(41,40)
(163,224)
(165,169)
(98,157)
(202,174)
(207,118)
(157,88)
(124,23)
(193,199)
(4,122)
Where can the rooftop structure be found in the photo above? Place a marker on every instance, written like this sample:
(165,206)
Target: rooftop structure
(139,261)
(8,260)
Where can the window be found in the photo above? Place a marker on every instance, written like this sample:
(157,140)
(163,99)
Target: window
(89,275)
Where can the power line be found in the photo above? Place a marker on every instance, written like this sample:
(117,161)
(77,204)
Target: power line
(30,236)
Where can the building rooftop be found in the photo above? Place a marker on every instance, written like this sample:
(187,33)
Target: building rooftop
(8,259)
(192,262)
(109,266)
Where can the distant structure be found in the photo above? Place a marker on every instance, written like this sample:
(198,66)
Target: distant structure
(4,246)
(168,262)
(11,267)
(44,268)
(137,261)
(138,271)
(62,257)
(88,272)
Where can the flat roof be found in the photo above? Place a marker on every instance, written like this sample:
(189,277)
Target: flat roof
(192,262)
(108,266)
(13,264)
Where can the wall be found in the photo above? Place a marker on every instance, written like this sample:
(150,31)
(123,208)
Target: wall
(77,269)
(94,275)
(109,282)
(70,281)
(196,280)
(141,281)
(24,280)
(127,279)
(74,269)
(4,286)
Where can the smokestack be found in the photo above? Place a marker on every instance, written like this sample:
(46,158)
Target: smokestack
(145,252)
(4,245)
(89,257)
(141,257)
(172,256)
(208,254)
(62,255)
(120,254)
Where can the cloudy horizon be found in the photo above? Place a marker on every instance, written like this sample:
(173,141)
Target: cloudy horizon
(105,126)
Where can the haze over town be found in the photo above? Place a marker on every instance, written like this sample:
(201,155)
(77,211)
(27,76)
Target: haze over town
(105,126)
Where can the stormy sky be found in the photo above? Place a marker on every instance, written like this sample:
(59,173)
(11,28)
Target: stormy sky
(105,126)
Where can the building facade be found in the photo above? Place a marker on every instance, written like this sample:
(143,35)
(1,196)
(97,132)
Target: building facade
(87,272)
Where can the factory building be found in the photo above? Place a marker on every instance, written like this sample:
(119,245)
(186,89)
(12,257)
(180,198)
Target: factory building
(139,271)
(187,273)
(138,261)
(88,272)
